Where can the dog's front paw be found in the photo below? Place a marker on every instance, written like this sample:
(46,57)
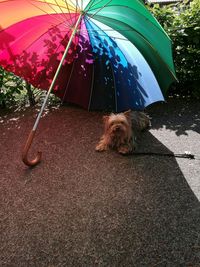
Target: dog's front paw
(101,147)
(127,149)
(124,150)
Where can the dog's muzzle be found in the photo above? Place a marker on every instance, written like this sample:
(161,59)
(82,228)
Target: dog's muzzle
(117,128)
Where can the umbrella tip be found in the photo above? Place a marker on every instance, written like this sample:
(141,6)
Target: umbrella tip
(82,12)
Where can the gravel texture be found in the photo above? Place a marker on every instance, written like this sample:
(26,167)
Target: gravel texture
(83,208)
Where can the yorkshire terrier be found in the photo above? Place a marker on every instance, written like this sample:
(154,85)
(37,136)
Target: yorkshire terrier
(121,131)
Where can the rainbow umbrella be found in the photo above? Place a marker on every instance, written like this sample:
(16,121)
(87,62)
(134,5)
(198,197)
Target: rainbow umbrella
(99,54)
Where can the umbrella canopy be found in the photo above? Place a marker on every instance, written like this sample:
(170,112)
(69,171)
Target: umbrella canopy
(119,57)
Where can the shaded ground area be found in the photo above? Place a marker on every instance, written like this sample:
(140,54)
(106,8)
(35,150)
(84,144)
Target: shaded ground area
(83,208)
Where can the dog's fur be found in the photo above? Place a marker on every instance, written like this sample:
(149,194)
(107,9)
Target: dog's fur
(121,131)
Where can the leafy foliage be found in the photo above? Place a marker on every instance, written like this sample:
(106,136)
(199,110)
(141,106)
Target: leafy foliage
(14,91)
(182,24)
(10,87)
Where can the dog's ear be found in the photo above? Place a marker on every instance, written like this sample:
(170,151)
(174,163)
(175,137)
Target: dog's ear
(105,118)
(127,113)
(105,121)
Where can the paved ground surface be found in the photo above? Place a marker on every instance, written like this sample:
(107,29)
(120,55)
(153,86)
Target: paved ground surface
(83,208)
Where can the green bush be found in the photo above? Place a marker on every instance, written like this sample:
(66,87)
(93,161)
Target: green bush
(15,92)
(182,24)
(10,88)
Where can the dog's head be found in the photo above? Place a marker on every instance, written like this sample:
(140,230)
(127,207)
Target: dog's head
(118,126)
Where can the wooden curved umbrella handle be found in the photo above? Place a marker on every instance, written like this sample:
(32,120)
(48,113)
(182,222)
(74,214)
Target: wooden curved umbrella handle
(25,151)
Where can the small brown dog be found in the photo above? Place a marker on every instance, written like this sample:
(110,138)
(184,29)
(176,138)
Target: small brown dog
(121,131)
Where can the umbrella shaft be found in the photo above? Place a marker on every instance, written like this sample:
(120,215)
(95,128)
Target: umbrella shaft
(57,72)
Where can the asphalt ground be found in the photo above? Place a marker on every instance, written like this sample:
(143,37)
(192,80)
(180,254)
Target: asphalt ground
(79,207)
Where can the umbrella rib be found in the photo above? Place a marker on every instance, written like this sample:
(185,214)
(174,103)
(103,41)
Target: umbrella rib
(113,37)
(92,87)
(67,6)
(51,15)
(77,6)
(91,5)
(90,17)
(71,18)
(117,38)
(57,12)
(115,87)
(73,3)
(92,83)
(67,86)
(64,14)
(110,30)
(42,1)
(72,69)
(114,81)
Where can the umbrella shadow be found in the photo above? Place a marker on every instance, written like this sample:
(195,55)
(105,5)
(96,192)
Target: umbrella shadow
(178,115)
(82,207)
